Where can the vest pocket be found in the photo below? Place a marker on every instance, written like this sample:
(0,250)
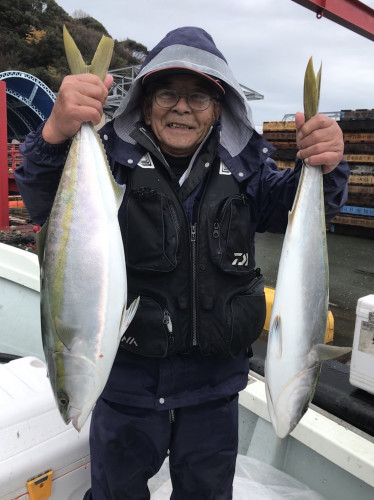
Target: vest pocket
(152,234)
(229,238)
(151,330)
(247,313)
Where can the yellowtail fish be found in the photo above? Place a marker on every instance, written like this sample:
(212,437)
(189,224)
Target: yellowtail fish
(83,269)
(299,314)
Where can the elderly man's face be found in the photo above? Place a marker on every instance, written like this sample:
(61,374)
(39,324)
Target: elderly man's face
(180,129)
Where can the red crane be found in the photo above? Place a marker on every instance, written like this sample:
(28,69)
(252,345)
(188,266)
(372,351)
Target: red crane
(352,14)
(4,190)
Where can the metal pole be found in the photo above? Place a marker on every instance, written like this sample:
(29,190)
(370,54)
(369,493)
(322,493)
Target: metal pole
(4,191)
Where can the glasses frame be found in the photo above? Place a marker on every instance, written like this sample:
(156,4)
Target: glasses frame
(186,95)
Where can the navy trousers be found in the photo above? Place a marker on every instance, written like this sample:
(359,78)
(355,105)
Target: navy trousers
(129,445)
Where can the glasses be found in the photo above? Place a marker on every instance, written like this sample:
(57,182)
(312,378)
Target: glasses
(198,101)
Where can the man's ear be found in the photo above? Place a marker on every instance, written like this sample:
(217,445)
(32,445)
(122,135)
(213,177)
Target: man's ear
(147,109)
(217,110)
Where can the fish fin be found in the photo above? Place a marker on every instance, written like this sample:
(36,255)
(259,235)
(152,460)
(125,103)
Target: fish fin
(325,352)
(65,332)
(119,192)
(127,316)
(276,334)
(103,55)
(119,189)
(40,242)
(100,62)
(312,86)
(73,55)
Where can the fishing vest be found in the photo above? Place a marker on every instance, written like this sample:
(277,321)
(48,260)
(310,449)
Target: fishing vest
(197,284)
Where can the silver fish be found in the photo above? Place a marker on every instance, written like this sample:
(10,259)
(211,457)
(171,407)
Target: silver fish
(299,314)
(83,271)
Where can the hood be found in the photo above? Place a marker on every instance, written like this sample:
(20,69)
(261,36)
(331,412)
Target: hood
(192,48)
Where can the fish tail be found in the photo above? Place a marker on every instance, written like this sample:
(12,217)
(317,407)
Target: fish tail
(312,88)
(103,55)
(100,62)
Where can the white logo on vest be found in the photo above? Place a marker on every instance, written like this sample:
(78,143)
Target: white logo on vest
(223,170)
(241,259)
(146,161)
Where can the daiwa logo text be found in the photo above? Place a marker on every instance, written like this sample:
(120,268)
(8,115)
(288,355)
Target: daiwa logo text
(241,259)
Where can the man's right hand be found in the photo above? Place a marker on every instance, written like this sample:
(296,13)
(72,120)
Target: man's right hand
(80,99)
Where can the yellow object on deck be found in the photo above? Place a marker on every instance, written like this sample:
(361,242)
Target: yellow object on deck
(269,295)
(40,487)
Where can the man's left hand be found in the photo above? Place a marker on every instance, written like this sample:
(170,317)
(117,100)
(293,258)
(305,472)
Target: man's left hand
(320,141)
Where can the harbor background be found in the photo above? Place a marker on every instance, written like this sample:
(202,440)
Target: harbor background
(351,275)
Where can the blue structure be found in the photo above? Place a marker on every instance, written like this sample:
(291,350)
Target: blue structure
(29,103)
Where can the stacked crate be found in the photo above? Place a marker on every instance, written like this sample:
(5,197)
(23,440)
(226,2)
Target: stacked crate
(283,136)
(358,133)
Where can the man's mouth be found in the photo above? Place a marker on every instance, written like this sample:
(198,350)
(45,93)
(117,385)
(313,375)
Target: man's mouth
(179,125)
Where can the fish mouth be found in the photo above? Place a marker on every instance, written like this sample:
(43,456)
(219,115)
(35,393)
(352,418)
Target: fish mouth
(77,417)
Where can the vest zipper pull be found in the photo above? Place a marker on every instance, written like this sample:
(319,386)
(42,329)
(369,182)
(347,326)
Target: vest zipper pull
(167,321)
(216,230)
(169,325)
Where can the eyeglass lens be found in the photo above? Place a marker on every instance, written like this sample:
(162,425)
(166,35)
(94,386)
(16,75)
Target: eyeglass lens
(169,98)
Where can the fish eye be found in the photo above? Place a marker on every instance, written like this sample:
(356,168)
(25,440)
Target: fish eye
(63,399)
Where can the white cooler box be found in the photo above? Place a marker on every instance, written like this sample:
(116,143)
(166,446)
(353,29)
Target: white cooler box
(40,456)
(362,362)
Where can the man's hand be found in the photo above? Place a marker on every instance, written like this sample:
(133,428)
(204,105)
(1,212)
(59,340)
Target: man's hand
(80,99)
(320,141)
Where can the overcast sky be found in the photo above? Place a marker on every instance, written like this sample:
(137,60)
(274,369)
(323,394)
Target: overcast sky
(267,44)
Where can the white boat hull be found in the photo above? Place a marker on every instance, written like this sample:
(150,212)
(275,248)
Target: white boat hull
(324,457)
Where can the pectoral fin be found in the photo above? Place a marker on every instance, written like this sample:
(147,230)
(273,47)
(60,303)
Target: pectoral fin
(325,352)
(127,316)
(66,333)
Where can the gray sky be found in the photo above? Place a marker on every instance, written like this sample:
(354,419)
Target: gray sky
(267,44)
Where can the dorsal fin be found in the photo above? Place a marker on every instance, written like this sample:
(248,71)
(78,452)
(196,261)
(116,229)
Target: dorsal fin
(40,242)
(100,62)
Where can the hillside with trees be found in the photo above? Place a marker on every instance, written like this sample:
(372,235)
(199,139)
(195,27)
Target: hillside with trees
(31,40)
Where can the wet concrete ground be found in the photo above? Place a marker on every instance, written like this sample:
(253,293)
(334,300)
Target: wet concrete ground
(351,268)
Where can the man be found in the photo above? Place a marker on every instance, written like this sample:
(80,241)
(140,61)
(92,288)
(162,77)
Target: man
(200,183)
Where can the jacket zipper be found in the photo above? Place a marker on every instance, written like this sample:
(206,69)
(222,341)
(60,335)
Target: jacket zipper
(172,416)
(194,284)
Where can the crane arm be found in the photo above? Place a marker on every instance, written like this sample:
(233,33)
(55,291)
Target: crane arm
(352,14)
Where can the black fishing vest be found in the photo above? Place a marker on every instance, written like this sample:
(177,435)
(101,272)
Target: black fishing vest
(197,283)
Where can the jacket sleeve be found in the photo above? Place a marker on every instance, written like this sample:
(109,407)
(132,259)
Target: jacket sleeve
(278,188)
(38,176)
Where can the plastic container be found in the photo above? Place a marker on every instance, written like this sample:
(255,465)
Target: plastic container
(40,456)
(362,362)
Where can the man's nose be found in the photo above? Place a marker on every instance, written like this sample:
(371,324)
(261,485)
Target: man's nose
(182,103)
